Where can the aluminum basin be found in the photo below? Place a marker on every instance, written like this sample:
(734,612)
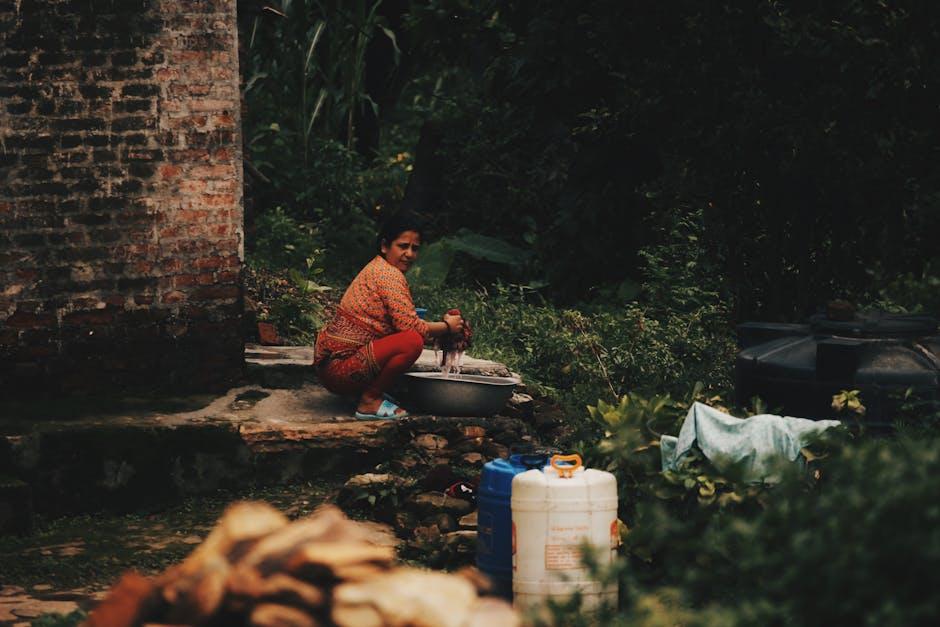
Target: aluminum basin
(455,395)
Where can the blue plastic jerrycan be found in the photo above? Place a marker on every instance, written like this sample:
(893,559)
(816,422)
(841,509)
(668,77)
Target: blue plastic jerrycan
(494,517)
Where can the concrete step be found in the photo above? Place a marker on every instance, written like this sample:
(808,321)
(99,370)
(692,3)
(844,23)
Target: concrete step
(126,454)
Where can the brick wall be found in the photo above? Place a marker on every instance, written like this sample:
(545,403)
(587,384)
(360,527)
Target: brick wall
(121,239)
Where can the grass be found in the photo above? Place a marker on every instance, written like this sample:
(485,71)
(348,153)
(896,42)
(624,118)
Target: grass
(91,551)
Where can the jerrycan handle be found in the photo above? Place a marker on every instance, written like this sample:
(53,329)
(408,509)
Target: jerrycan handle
(566,471)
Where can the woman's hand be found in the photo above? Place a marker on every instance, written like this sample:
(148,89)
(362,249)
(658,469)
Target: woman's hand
(454,322)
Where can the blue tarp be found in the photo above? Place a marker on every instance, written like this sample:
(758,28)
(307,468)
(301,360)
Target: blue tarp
(754,445)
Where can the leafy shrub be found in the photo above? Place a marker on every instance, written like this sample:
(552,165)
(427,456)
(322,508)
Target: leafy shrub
(907,293)
(854,539)
(60,620)
(578,356)
(436,259)
(283,242)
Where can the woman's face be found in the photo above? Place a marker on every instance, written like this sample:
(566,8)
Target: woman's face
(403,250)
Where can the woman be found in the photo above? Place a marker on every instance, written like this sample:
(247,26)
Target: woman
(376,334)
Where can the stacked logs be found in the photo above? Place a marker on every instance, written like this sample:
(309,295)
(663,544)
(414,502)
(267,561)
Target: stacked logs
(256,568)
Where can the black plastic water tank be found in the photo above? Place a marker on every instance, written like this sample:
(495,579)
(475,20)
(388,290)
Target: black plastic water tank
(797,368)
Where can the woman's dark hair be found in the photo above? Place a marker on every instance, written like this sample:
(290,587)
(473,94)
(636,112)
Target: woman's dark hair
(397,224)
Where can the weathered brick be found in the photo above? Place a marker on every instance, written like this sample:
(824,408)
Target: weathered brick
(134,123)
(170,171)
(69,107)
(95,140)
(40,222)
(130,186)
(95,91)
(94,59)
(35,160)
(78,124)
(91,253)
(142,170)
(14,60)
(216,292)
(86,185)
(126,284)
(152,58)
(108,236)
(132,106)
(88,318)
(101,156)
(110,106)
(29,240)
(36,174)
(75,173)
(45,106)
(138,154)
(120,73)
(31,142)
(71,141)
(91,219)
(131,139)
(18,108)
(46,189)
(107,203)
(29,320)
(55,58)
(78,157)
(124,58)
(173,297)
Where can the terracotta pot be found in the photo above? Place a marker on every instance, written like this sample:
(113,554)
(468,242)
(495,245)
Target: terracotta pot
(267,334)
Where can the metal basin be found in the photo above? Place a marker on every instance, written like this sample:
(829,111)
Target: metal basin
(455,395)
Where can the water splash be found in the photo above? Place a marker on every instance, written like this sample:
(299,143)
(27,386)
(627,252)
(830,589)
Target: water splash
(450,364)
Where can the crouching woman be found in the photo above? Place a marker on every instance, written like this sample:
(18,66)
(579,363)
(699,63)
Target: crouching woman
(376,335)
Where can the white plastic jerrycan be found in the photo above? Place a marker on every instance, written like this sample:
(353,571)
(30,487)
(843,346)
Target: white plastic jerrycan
(553,513)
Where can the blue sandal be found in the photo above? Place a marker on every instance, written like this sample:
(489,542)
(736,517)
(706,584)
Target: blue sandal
(386,411)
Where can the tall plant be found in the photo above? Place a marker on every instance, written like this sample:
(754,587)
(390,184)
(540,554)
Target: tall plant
(304,73)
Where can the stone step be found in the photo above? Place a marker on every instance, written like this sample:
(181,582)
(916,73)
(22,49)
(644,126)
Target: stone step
(251,435)
(289,366)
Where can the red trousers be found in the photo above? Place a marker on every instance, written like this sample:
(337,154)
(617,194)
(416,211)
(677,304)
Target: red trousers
(374,367)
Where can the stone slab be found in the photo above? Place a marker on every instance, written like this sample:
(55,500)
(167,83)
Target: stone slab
(86,454)
(429,361)
(292,357)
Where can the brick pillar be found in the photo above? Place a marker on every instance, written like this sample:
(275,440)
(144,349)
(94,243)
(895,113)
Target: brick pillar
(121,240)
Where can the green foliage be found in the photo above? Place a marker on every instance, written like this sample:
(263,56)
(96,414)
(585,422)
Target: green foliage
(304,89)
(702,548)
(309,68)
(578,355)
(383,496)
(848,401)
(573,128)
(630,449)
(284,242)
(282,268)
(434,263)
(60,620)
(295,314)
(907,292)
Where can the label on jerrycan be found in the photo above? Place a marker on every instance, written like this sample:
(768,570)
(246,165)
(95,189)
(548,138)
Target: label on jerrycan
(563,545)
(514,565)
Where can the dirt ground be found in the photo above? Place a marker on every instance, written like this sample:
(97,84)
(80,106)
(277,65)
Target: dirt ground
(68,564)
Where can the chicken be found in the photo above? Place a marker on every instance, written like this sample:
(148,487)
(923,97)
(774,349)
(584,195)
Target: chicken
(453,346)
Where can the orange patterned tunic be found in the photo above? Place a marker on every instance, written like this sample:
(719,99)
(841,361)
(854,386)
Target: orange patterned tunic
(376,304)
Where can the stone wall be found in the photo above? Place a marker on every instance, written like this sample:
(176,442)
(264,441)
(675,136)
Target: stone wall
(121,240)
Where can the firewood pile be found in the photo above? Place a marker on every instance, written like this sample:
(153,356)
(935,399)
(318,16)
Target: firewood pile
(257,568)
